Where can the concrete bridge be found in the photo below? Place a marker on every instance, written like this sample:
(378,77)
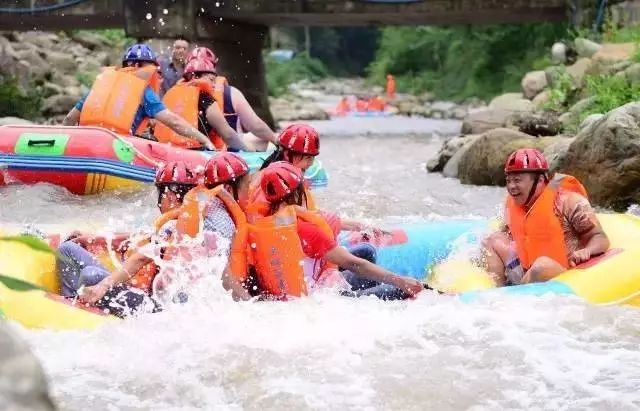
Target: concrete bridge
(236,29)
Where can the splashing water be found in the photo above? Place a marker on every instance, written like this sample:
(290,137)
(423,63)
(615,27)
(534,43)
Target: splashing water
(329,352)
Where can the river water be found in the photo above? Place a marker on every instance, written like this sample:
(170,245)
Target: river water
(332,353)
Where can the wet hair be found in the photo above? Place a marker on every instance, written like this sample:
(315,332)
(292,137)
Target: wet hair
(296,197)
(279,155)
(180,190)
(233,183)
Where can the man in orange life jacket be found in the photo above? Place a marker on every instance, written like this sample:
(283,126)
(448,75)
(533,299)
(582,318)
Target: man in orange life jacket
(550,225)
(121,100)
(283,187)
(235,107)
(196,99)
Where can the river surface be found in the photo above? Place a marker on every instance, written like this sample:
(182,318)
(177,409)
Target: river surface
(331,353)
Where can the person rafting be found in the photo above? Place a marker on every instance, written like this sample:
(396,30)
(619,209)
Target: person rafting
(289,234)
(391,87)
(235,107)
(196,99)
(376,104)
(550,225)
(343,108)
(124,99)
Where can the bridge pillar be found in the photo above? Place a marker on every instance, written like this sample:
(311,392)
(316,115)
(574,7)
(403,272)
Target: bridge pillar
(239,49)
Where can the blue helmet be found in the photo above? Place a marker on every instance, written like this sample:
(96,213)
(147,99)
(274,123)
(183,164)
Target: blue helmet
(139,53)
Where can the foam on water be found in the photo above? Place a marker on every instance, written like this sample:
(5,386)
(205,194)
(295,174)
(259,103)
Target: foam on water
(329,352)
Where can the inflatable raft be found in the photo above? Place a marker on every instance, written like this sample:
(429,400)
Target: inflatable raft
(613,278)
(89,160)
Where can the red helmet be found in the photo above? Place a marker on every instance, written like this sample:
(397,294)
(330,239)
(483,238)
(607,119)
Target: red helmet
(176,172)
(279,180)
(526,160)
(199,66)
(203,53)
(223,168)
(300,138)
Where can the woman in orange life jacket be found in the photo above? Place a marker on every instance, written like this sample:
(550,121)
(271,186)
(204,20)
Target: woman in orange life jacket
(94,284)
(283,187)
(549,224)
(138,82)
(194,98)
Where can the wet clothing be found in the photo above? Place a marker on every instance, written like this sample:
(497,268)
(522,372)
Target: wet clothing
(150,107)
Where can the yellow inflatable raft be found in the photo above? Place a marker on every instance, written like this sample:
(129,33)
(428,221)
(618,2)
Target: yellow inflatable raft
(613,278)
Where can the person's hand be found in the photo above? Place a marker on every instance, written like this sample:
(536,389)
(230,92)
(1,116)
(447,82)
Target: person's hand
(579,256)
(95,292)
(410,286)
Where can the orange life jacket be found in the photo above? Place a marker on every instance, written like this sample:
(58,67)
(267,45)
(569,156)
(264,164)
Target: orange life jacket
(537,232)
(391,86)
(190,218)
(116,96)
(183,99)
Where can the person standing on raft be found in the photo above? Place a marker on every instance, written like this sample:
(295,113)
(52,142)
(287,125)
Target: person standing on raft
(550,224)
(121,100)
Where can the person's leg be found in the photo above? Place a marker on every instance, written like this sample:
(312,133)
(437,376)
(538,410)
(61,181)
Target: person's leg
(367,252)
(123,301)
(496,255)
(78,265)
(543,269)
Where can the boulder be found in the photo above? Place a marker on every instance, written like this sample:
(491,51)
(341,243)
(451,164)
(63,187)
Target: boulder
(568,120)
(632,73)
(554,74)
(58,104)
(6,121)
(606,158)
(614,52)
(590,121)
(555,152)
(533,83)
(65,80)
(50,89)
(38,68)
(23,385)
(578,69)
(421,110)
(458,113)
(60,61)
(483,162)
(511,102)
(484,119)
(90,39)
(40,39)
(541,100)
(535,124)
(581,106)
(291,110)
(586,48)
(443,107)
(559,53)
(448,149)
(450,169)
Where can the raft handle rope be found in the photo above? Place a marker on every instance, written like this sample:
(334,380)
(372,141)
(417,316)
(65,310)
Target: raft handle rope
(41,9)
(129,145)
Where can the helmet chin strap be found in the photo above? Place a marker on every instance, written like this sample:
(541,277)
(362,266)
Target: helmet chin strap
(533,190)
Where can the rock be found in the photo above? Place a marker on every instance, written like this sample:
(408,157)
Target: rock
(606,158)
(590,121)
(586,48)
(578,69)
(58,104)
(555,152)
(511,102)
(541,100)
(6,121)
(74,92)
(448,149)
(458,113)
(554,74)
(483,162)
(533,83)
(41,39)
(559,53)
(50,89)
(23,385)
(421,111)
(581,106)
(536,124)
(61,61)
(65,80)
(568,120)
(90,40)
(38,68)
(484,119)
(292,110)
(450,169)
(615,52)
(632,73)
(443,107)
